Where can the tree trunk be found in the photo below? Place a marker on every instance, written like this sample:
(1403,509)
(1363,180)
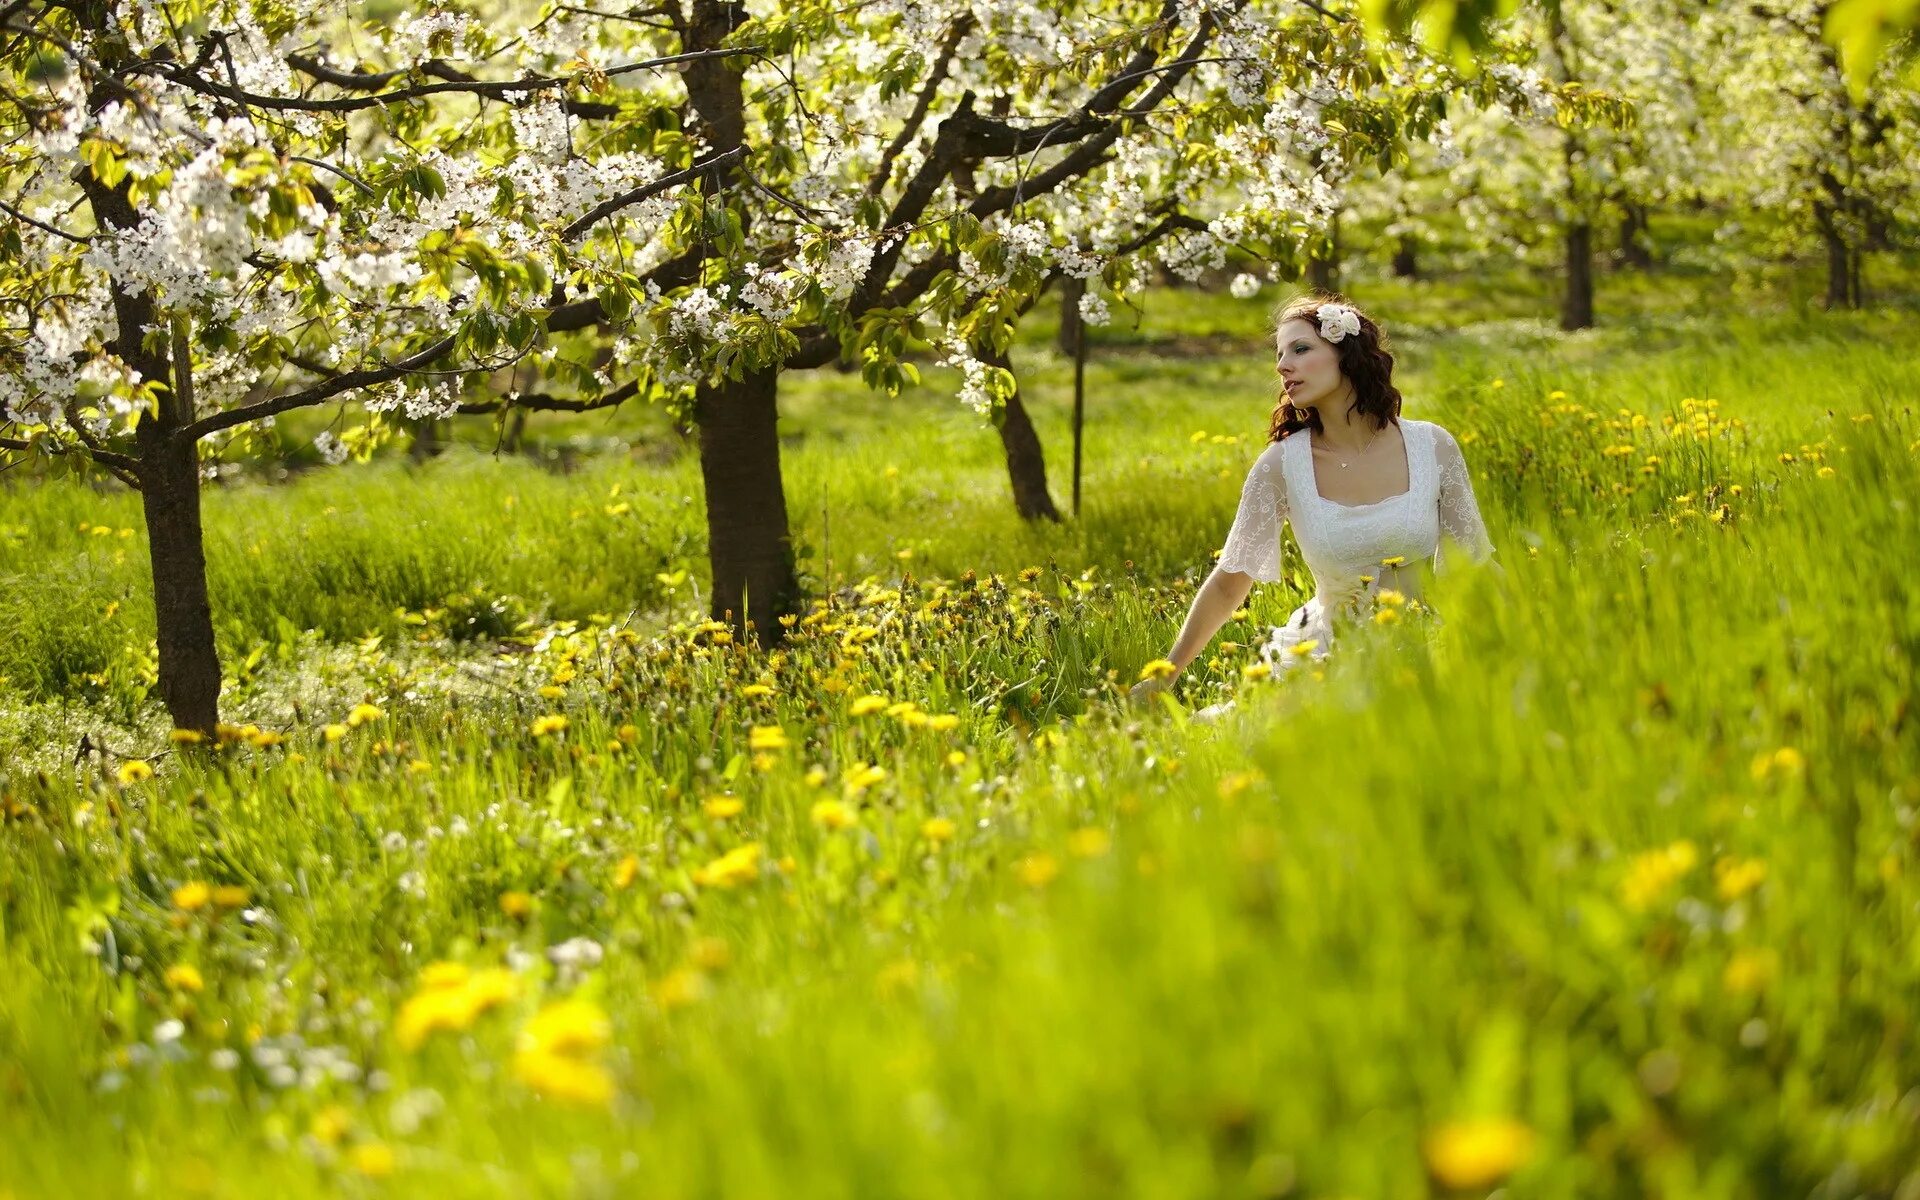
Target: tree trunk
(1026,462)
(1842,271)
(427,441)
(183,616)
(1633,231)
(1071,325)
(749,544)
(1577,310)
(1406,260)
(1323,266)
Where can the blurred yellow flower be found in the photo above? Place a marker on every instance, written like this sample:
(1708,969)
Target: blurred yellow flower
(754,690)
(184,977)
(943,723)
(563,1079)
(1750,971)
(861,776)
(1650,874)
(191,897)
(832,814)
(334,733)
(133,771)
(450,999)
(1476,1153)
(766,737)
(737,866)
(722,807)
(361,714)
(1159,668)
(375,1160)
(1090,842)
(516,904)
(229,896)
(186,737)
(552,723)
(567,1027)
(956,758)
(625,872)
(1037,870)
(1735,877)
(1254,672)
(866,706)
(938,829)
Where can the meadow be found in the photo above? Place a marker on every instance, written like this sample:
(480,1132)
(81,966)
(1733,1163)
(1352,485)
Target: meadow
(516,877)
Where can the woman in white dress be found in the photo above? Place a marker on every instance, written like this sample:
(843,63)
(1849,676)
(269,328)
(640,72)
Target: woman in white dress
(1368,494)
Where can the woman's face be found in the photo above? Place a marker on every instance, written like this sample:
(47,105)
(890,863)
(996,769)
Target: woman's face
(1309,365)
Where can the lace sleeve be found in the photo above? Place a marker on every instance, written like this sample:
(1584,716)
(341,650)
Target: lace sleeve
(1459,513)
(1253,544)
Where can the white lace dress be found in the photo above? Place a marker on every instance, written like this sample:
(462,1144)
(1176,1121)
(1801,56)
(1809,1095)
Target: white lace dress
(1350,547)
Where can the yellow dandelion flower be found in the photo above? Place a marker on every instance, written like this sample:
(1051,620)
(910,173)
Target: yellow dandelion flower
(568,1027)
(832,815)
(186,737)
(816,776)
(1650,874)
(861,776)
(1474,1154)
(1386,616)
(550,724)
(375,1160)
(1303,648)
(722,807)
(1750,971)
(1394,561)
(192,897)
(766,738)
(680,987)
(1254,672)
(1735,877)
(565,1080)
(1159,668)
(133,771)
(756,690)
(1089,842)
(185,977)
(516,904)
(1037,870)
(444,974)
(334,733)
(1825,473)
(943,723)
(361,714)
(628,734)
(331,1124)
(938,829)
(551,692)
(737,866)
(866,706)
(625,872)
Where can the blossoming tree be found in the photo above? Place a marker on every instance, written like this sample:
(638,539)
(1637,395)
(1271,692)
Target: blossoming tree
(214,222)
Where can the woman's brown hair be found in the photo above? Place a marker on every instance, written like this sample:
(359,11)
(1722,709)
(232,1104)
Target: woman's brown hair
(1364,360)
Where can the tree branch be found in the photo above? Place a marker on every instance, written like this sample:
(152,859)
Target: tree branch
(541,402)
(318,393)
(921,106)
(602,211)
(75,238)
(495,90)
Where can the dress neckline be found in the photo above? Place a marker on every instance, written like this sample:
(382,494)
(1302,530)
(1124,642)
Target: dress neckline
(1313,478)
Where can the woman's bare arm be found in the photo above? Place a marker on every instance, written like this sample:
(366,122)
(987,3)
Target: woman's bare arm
(1218,599)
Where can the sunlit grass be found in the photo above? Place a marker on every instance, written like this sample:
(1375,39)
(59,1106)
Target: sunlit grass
(574,895)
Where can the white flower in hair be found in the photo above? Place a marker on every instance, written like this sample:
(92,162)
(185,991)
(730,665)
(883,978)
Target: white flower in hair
(1337,321)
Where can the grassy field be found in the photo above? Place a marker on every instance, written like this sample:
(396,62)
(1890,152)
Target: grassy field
(527,882)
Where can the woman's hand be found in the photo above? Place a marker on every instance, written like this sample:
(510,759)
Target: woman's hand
(1150,687)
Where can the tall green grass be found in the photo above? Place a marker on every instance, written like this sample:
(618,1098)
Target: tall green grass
(1609,871)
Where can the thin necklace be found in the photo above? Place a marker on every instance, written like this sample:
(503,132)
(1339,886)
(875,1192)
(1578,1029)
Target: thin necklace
(1368,446)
